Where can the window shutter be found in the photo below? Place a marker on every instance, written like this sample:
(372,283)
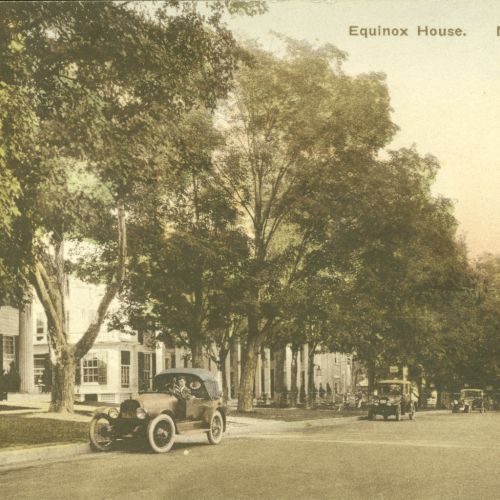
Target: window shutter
(103,370)
(153,364)
(125,355)
(140,375)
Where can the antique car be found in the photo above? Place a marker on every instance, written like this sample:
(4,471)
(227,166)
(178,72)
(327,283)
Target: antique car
(182,401)
(469,400)
(393,397)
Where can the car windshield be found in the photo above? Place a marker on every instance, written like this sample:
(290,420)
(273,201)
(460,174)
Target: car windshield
(471,394)
(390,389)
(193,385)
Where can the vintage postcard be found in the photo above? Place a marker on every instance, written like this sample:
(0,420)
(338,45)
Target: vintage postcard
(250,249)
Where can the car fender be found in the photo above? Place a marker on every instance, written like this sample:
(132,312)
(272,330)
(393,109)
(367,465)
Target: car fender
(171,414)
(209,412)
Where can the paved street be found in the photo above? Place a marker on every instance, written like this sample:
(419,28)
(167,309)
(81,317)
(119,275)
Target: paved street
(436,456)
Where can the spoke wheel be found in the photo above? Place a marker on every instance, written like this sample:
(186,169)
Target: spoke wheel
(216,428)
(101,433)
(161,433)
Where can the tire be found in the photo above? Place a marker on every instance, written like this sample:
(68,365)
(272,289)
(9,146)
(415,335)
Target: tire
(101,433)
(161,433)
(398,413)
(371,415)
(216,430)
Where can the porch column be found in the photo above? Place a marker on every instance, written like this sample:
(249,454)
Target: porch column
(25,365)
(267,373)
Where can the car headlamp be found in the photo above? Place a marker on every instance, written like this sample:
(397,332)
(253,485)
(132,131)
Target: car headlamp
(113,413)
(141,413)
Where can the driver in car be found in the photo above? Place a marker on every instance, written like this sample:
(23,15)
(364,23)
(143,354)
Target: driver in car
(182,390)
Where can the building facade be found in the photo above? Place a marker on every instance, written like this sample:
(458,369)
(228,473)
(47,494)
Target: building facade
(123,362)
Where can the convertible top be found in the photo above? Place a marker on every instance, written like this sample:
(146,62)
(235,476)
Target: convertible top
(203,374)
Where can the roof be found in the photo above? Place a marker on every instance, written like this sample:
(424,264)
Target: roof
(394,381)
(203,374)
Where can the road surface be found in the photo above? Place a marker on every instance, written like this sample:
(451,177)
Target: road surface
(437,456)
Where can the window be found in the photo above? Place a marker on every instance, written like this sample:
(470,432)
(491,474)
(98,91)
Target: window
(147,367)
(90,369)
(94,368)
(145,370)
(40,327)
(9,351)
(38,369)
(125,368)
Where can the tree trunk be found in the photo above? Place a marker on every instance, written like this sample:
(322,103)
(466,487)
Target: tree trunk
(49,281)
(245,393)
(225,393)
(250,359)
(197,354)
(310,376)
(63,382)
(293,373)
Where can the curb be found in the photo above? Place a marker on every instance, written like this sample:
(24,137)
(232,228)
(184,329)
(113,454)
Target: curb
(13,457)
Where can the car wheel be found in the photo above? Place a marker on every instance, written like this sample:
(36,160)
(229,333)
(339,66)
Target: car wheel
(161,433)
(371,415)
(214,434)
(398,413)
(101,433)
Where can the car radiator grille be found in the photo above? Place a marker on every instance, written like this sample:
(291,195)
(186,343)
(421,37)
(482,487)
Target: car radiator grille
(128,408)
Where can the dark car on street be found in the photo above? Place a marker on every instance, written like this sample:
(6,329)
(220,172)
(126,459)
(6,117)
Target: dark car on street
(393,398)
(183,401)
(469,400)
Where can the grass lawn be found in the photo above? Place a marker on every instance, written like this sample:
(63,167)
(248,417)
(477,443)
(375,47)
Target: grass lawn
(17,431)
(297,414)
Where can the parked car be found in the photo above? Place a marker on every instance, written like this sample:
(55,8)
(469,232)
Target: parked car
(469,400)
(183,401)
(393,397)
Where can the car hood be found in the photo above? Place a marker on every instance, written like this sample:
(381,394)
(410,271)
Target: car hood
(153,401)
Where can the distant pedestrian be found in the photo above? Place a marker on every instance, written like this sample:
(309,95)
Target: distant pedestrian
(4,386)
(14,380)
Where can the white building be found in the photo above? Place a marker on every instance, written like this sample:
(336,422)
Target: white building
(123,362)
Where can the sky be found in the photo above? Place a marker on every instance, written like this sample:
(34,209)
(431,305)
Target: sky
(445,91)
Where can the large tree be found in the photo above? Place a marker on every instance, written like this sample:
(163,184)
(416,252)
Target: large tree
(103,81)
(287,116)
(185,275)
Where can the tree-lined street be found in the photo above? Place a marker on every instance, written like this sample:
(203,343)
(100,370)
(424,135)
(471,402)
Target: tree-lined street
(440,455)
